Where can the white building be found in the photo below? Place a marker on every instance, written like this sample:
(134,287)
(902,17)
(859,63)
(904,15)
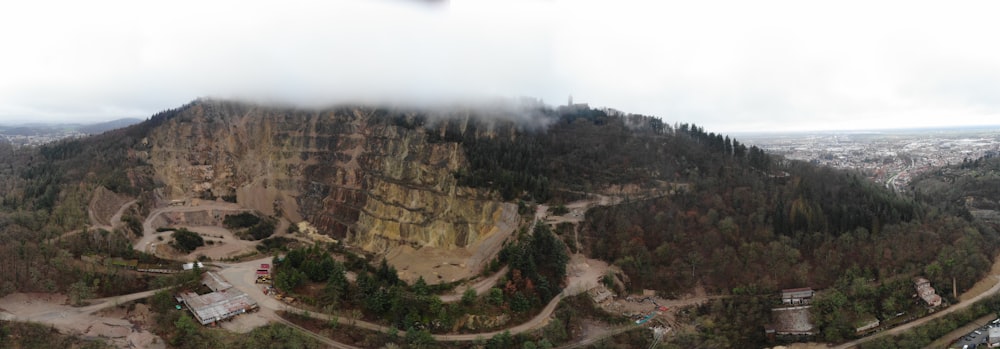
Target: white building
(994,340)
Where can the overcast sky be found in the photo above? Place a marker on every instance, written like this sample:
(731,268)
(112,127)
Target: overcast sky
(729,66)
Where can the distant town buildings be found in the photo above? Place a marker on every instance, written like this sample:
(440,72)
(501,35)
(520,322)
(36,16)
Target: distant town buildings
(33,140)
(892,158)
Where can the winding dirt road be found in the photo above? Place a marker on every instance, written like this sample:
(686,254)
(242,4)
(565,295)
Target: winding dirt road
(583,273)
(116,220)
(50,309)
(149,233)
(241,275)
(480,286)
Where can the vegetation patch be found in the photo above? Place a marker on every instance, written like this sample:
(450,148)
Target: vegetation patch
(186,240)
(249,226)
(317,280)
(32,335)
(276,243)
(923,335)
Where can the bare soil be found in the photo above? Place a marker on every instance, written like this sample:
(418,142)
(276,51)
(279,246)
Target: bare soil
(224,244)
(103,205)
(120,326)
(444,265)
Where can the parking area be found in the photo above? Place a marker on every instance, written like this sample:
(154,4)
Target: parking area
(979,338)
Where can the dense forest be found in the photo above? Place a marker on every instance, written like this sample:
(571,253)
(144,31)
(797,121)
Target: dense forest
(44,193)
(744,222)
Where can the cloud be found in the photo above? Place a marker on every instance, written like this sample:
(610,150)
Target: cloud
(729,66)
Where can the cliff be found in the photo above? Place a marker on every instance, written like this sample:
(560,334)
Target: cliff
(359,174)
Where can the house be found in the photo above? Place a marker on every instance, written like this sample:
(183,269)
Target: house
(797,296)
(926,292)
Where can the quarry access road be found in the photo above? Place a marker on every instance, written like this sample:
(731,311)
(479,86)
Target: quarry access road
(910,325)
(56,314)
(480,286)
(322,339)
(149,234)
(116,220)
(584,275)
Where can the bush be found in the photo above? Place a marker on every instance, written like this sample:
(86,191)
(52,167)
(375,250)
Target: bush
(242,220)
(263,229)
(469,297)
(560,210)
(275,243)
(186,240)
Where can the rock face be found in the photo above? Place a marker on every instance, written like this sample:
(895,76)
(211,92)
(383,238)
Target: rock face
(356,174)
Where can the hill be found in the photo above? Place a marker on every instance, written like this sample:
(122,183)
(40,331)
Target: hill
(449,187)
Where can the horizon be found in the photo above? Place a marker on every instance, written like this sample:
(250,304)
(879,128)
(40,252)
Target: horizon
(930,128)
(726,65)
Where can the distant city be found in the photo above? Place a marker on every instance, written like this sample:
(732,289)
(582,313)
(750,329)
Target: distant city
(890,157)
(29,135)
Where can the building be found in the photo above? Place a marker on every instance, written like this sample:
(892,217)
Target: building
(222,303)
(926,292)
(994,337)
(797,296)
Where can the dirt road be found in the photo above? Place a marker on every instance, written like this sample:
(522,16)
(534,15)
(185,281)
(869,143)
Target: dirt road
(322,339)
(116,220)
(149,233)
(583,273)
(241,275)
(480,286)
(51,309)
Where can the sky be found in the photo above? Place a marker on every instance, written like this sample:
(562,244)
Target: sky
(730,66)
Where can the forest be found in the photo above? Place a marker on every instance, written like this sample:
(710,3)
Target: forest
(746,222)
